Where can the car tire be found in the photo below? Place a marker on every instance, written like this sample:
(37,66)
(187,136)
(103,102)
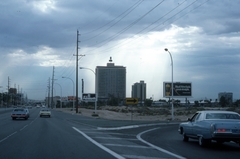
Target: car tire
(220,142)
(203,142)
(185,138)
(13,118)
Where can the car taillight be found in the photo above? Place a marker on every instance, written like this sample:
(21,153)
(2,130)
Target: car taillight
(221,130)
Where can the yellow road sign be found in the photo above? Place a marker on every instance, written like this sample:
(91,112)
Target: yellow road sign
(131,101)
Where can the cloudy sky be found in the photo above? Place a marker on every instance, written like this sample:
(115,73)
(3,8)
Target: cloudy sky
(203,37)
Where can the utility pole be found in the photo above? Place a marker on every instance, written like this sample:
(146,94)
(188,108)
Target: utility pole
(52,87)
(77,70)
(77,74)
(8,87)
(49,92)
(82,86)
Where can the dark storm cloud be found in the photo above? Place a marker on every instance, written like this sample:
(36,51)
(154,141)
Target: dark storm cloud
(100,22)
(205,33)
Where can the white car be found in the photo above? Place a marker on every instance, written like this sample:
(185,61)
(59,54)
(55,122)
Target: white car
(45,112)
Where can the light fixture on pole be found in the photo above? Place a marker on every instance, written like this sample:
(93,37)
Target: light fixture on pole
(73,89)
(95,87)
(172,83)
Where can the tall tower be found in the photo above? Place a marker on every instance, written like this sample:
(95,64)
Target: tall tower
(111,81)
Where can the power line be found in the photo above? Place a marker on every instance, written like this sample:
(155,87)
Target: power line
(97,18)
(125,13)
(129,26)
(127,42)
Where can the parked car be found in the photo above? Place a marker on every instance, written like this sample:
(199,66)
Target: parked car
(45,112)
(207,126)
(20,113)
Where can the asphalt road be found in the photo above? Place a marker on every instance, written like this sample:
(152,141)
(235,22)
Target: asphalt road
(65,136)
(166,138)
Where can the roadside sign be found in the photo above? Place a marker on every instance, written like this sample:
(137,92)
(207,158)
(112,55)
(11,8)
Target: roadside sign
(131,101)
(180,89)
(89,97)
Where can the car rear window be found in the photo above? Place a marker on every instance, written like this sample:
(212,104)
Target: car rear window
(222,116)
(18,110)
(45,110)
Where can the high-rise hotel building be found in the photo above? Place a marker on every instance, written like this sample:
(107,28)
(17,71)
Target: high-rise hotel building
(110,81)
(139,91)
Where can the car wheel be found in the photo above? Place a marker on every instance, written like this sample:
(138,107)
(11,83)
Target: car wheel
(13,118)
(26,118)
(185,138)
(203,142)
(220,142)
(49,116)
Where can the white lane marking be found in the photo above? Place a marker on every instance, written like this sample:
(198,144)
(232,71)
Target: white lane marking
(33,120)
(132,146)
(110,133)
(156,147)
(99,145)
(114,138)
(136,126)
(16,131)
(23,127)
(141,157)
(8,137)
(119,128)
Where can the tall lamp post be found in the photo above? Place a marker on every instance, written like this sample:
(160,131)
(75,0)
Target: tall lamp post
(73,88)
(61,95)
(95,111)
(172,82)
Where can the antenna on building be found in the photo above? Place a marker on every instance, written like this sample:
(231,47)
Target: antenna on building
(110,60)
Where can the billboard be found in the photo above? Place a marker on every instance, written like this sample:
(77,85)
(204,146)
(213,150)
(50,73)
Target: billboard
(89,97)
(71,98)
(180,89)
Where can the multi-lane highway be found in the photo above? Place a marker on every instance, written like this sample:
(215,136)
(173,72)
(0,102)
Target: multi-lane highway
(73,136)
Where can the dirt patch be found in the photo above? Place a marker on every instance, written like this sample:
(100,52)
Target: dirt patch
(141,113)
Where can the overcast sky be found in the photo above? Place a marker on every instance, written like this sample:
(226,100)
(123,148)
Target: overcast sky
(203,37)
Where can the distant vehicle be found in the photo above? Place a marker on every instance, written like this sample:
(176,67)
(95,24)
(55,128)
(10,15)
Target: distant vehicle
(27,111)
(207,126)
(20,113)
(45,112)
(38,106)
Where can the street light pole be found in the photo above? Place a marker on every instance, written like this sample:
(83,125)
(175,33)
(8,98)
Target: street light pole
(172,82)
(61,95)
(73,88)
(95,111)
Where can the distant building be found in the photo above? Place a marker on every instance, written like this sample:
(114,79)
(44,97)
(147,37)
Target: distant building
(227,95)
(110,81)
(139,91)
